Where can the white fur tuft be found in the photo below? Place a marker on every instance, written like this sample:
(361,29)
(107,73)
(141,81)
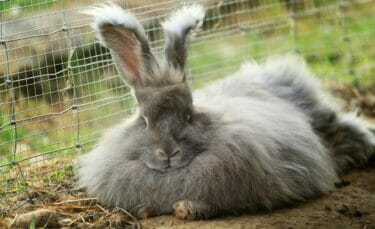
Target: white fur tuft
(185,17)
(115,15)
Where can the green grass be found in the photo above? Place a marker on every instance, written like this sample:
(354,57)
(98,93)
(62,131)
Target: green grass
(320,40)
(26,5)
(8,136)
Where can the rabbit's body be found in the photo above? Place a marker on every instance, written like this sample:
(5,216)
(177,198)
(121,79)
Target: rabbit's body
(256,150)
(348,139)
(248,142)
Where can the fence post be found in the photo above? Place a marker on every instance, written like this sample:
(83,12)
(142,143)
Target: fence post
(342,22)
(71,83)
(294,29)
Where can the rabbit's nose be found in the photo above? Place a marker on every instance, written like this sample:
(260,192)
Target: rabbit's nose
(171,153)
(175,152)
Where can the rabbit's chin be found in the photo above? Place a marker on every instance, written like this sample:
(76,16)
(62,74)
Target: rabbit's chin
(168,167)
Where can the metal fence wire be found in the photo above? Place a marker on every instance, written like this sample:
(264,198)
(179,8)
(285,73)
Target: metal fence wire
(59,88)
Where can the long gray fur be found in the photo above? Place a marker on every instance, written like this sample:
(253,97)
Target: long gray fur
(263,138)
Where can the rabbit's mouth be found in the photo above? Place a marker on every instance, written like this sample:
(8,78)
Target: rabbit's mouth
(169,167)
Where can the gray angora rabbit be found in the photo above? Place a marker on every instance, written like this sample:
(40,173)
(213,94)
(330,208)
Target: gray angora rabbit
(260,139)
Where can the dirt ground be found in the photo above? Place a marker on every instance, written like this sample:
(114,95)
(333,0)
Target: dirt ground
(58,204)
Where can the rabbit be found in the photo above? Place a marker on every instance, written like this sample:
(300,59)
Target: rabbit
(263,138)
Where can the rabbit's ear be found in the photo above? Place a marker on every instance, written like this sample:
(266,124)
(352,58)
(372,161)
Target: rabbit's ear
(121,32)
(178,28)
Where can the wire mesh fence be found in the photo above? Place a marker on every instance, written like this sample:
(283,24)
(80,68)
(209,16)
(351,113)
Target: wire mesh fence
(59,88)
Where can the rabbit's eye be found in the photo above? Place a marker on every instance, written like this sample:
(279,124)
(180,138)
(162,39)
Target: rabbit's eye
(145,121)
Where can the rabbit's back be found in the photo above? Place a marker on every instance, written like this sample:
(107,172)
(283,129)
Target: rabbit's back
(280,156)
(350,140)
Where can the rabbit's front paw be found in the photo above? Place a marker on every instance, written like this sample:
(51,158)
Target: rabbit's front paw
(182,210)
(191,210)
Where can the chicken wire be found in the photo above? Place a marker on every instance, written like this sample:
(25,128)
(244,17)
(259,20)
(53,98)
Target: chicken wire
(59,88)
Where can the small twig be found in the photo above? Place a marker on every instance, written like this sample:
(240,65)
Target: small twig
(73,221)
(89,224)
(130,215)
(83,220)
(66,214)
(14,219)
(46,224)
(103,209)
(73,201)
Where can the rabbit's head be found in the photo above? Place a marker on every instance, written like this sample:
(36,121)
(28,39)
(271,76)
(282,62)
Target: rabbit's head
(168,133)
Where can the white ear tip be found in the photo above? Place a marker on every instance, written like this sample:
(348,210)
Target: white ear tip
(187,16)
(112,14)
